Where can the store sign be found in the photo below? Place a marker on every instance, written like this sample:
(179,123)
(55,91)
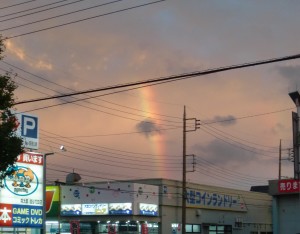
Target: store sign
(120,208)
(28,129)
(21,198)
(95,209)
(71,210)
(289,186)
(52,201)
(148,209)
(214,200)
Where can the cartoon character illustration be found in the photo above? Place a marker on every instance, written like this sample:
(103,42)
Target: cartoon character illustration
(22,177)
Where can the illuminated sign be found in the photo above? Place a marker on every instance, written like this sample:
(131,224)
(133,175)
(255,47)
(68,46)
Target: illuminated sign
(70,210)
(52,201)
(95,209)
(148,209)
(120,208)
(21,198)
(289,186)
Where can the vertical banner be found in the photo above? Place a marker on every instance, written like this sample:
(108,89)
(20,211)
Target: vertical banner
(21,198)
(75,227)
(144,228)
(112,229)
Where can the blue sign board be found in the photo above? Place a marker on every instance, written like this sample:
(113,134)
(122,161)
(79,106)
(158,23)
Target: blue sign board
(28,128)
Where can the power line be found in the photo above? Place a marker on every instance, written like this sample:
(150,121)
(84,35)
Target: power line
(51,8)
(237,146)
(109,113)
(57,16)
(248,116)
(215,130)
(18,4)
(89,18)
(169,78)
(39,77)
(115,150)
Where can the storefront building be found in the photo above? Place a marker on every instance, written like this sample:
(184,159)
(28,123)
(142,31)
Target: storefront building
(154,206)
(286,205)
(103,208)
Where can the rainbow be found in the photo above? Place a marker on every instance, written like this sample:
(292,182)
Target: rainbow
(157,140)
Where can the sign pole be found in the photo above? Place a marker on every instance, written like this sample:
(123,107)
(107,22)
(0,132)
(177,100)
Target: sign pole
(44,190)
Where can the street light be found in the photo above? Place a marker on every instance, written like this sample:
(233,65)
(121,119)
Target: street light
(63,149)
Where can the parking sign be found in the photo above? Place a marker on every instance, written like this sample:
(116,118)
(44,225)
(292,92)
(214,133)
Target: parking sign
(28,129)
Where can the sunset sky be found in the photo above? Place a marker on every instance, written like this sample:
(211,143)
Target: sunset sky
(58,47)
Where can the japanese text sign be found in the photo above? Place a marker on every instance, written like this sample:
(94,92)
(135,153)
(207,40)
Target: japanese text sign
(215,200)
(289,186)
(21,198)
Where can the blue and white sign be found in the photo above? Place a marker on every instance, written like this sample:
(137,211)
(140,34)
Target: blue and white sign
(28,128)
(148,209)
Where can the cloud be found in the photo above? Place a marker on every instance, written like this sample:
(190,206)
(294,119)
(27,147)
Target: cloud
(148,128)
(220,153)
(291,73)
(15,50)
(223,120)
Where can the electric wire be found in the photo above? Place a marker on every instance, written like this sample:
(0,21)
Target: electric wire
(250,142)
(237,146)
(201,162)
(31,13)
(98,105)
(57,84)
(253,149)
(57,16)
(168,78)
(18,4)
(81,20)
(86,144)
(108,157)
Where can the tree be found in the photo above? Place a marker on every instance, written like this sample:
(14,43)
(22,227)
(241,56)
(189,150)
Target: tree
(10,143)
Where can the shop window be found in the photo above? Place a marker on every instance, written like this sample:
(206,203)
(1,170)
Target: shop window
(220,229)
(128,226)
(152,228)
(195,228)
(189,228)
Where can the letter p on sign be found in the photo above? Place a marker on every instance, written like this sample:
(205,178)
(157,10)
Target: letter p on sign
(28,130)
(29,126)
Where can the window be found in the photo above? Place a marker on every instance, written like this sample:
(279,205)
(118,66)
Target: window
(193,228)
(219,229)
(190,228)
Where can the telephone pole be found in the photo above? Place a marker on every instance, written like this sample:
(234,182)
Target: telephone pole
(184,195)
(295,96)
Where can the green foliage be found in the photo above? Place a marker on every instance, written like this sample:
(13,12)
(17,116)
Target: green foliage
(10,143)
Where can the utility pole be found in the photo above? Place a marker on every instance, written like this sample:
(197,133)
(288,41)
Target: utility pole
(279,174)
(184,195)
(295,96)
(184,175)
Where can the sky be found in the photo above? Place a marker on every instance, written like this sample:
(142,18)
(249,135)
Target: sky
(58,47)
